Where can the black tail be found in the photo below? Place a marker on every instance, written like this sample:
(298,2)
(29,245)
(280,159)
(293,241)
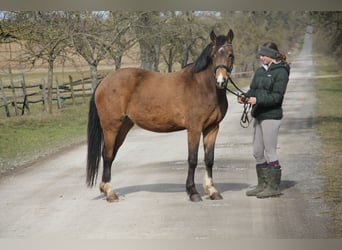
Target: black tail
(95,136)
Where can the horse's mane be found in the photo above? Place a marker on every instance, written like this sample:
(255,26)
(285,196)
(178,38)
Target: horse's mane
(205,58)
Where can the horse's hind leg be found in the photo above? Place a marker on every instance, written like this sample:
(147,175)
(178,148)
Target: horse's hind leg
(209,138)
(112,142)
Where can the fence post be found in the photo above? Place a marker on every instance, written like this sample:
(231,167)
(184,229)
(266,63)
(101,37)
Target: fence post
(45,102)
(4,99)
(23,85)
(13,91)
(72,90)
(59,100)
(83,90)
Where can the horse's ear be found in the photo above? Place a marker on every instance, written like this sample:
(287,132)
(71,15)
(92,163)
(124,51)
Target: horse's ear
(230,36)
(213,36)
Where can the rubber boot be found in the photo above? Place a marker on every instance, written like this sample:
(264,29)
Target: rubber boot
(261,180)
(273,176)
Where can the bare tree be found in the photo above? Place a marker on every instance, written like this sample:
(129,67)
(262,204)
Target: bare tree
(98,35)
(43,38)
(184,35)
(85,31)
(119,35)
(147,30)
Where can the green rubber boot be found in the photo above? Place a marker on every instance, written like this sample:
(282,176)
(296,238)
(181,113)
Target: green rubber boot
(261,180)
(273,176)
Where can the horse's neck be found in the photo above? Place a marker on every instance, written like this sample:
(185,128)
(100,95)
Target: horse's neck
(207,77)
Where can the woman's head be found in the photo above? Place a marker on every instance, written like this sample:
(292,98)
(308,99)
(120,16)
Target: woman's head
(269,52)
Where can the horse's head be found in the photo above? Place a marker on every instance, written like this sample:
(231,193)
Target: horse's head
(223,57)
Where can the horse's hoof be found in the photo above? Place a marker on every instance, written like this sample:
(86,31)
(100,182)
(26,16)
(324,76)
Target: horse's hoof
(195,198)
(216,196)
(112,198)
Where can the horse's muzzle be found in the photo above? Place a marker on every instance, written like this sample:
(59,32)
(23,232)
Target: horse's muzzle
(221,82)
(222,85)
(221,79)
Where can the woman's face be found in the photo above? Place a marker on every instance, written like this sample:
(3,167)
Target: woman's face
(266,60)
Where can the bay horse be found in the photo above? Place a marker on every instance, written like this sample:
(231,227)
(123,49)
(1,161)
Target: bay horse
(193,98)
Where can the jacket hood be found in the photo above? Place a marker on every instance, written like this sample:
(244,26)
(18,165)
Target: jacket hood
(281,64)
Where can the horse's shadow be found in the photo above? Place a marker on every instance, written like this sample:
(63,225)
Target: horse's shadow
(177,188)
(173,188)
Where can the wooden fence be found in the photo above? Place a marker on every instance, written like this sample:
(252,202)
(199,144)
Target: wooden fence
(21,96)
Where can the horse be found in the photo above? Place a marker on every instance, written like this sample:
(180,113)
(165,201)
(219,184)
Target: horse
(193,99)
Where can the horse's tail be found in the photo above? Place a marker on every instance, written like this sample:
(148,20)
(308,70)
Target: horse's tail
(95,136)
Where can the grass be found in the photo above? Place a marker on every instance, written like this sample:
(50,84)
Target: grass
(25,138)
(329,125)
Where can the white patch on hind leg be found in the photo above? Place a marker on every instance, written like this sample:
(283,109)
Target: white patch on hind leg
(208,185)
(107,189)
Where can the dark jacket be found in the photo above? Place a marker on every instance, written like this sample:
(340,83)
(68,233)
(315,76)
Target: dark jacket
(269,86)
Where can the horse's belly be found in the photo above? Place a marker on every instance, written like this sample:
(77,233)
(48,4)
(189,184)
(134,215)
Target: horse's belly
(158,121)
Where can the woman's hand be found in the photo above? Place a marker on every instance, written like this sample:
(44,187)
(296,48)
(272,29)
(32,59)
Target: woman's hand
(240,99)
(252,100)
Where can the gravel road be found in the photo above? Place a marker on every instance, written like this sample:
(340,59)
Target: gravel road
(50,198)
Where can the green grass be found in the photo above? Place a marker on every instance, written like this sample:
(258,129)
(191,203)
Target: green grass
(329,124)
(25,138)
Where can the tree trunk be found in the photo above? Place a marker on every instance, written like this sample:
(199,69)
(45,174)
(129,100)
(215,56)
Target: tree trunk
(93,73)
(117,61)
(185,55)
(170,61)
(149,41)
(149,54)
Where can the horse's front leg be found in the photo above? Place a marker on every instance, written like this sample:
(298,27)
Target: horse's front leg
(209,138)
(193,144)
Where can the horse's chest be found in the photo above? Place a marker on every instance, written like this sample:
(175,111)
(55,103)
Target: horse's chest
(217,114)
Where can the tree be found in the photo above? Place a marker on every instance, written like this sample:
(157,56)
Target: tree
(85,32)
(119,36)
(147,30)
(43,38)
(98,35)
(328,25)
(183,36)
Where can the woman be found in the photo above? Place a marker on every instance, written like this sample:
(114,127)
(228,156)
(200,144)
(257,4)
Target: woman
(266,95)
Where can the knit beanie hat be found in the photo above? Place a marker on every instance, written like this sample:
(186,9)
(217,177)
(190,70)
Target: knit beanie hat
(264,51)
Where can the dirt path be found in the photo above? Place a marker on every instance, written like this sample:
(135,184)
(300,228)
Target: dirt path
(50,198)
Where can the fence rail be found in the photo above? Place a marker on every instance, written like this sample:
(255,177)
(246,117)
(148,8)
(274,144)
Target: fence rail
(20,97)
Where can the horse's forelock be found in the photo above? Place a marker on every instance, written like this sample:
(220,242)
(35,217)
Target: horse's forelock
(220,41)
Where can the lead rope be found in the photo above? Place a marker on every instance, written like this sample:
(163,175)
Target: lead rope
(245,119)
